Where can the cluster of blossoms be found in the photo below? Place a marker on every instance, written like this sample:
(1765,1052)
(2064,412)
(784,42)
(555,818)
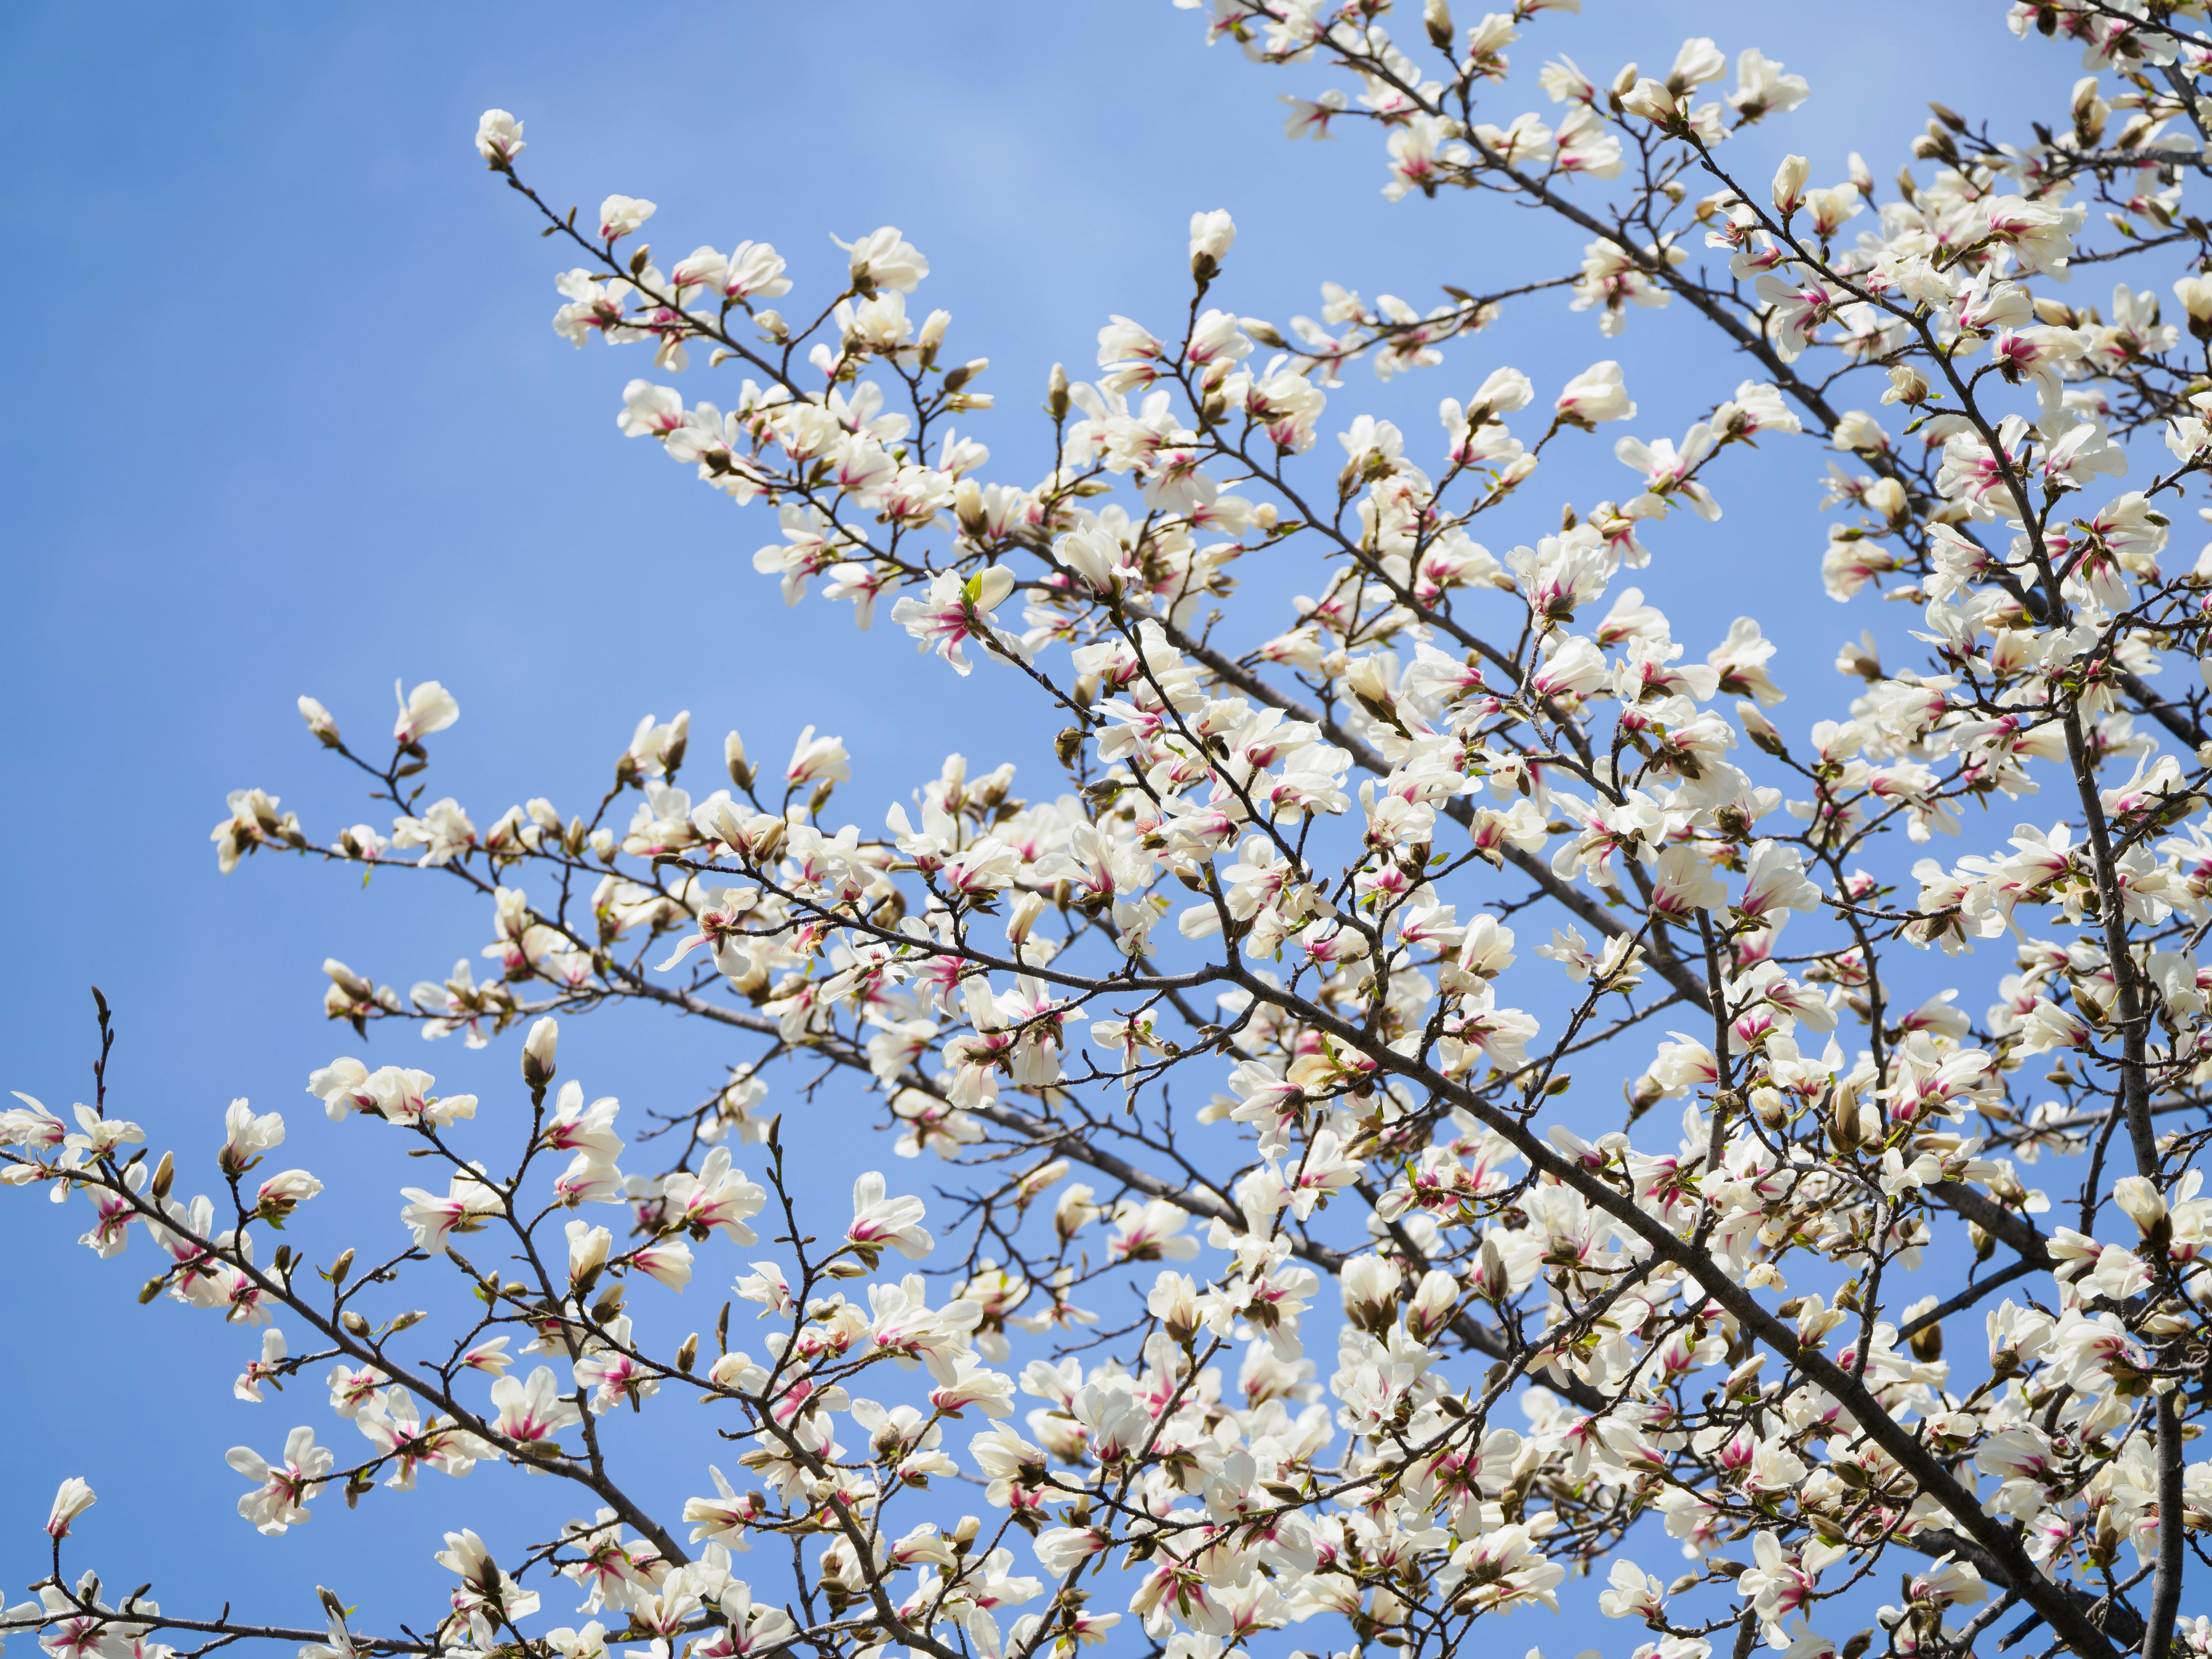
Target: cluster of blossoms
(1370,1330)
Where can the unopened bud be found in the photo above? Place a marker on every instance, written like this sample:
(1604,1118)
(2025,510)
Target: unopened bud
(1056,393)
(957,378)
(348,980)
(1437,18)
(1212,235)
(320,722)
(1844,1125)
(742,770)
(537,1053)
(1790,180)
(164,1172)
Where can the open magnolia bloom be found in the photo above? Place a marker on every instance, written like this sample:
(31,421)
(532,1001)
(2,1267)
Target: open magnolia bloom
(1278,1269)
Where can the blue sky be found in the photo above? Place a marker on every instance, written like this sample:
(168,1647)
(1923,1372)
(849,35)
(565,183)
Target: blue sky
(285,416)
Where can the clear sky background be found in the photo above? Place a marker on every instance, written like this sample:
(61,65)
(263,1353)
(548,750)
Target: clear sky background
(284,414)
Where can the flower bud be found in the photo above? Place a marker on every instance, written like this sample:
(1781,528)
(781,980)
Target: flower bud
(352,984)
(733,757)
(1652,101)
(1076,1210)
(1437,18)
(1212,235)
(1369,1284)
(537,1053)
(1023,918)
(1790,184)
(319,722)
(988,588)
(1489,1276)
(1846,1125)
(1174,1302)
(2195,294)
(588,1248)
(1055,393)
(498,138)
(931,335)
(1858,657)
(1434,1299)
(1907,386)
(1773,1111)
(1927,1343)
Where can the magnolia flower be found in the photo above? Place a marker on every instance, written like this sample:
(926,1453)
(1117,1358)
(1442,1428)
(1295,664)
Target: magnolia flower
(877,1221)
(1212,235)
(883,258)
(499,138)
(958,609)
(2139,1198)
(278,1196)
(246,1137)
(1598,393)
(280,1501)
(530,1413)
(1775,882)
(621,215)
(432,1219)
(817,760)
(72,1499)
(429,708)
(1684,883)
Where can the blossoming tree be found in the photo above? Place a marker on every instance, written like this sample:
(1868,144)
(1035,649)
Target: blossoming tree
(1217,1009)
